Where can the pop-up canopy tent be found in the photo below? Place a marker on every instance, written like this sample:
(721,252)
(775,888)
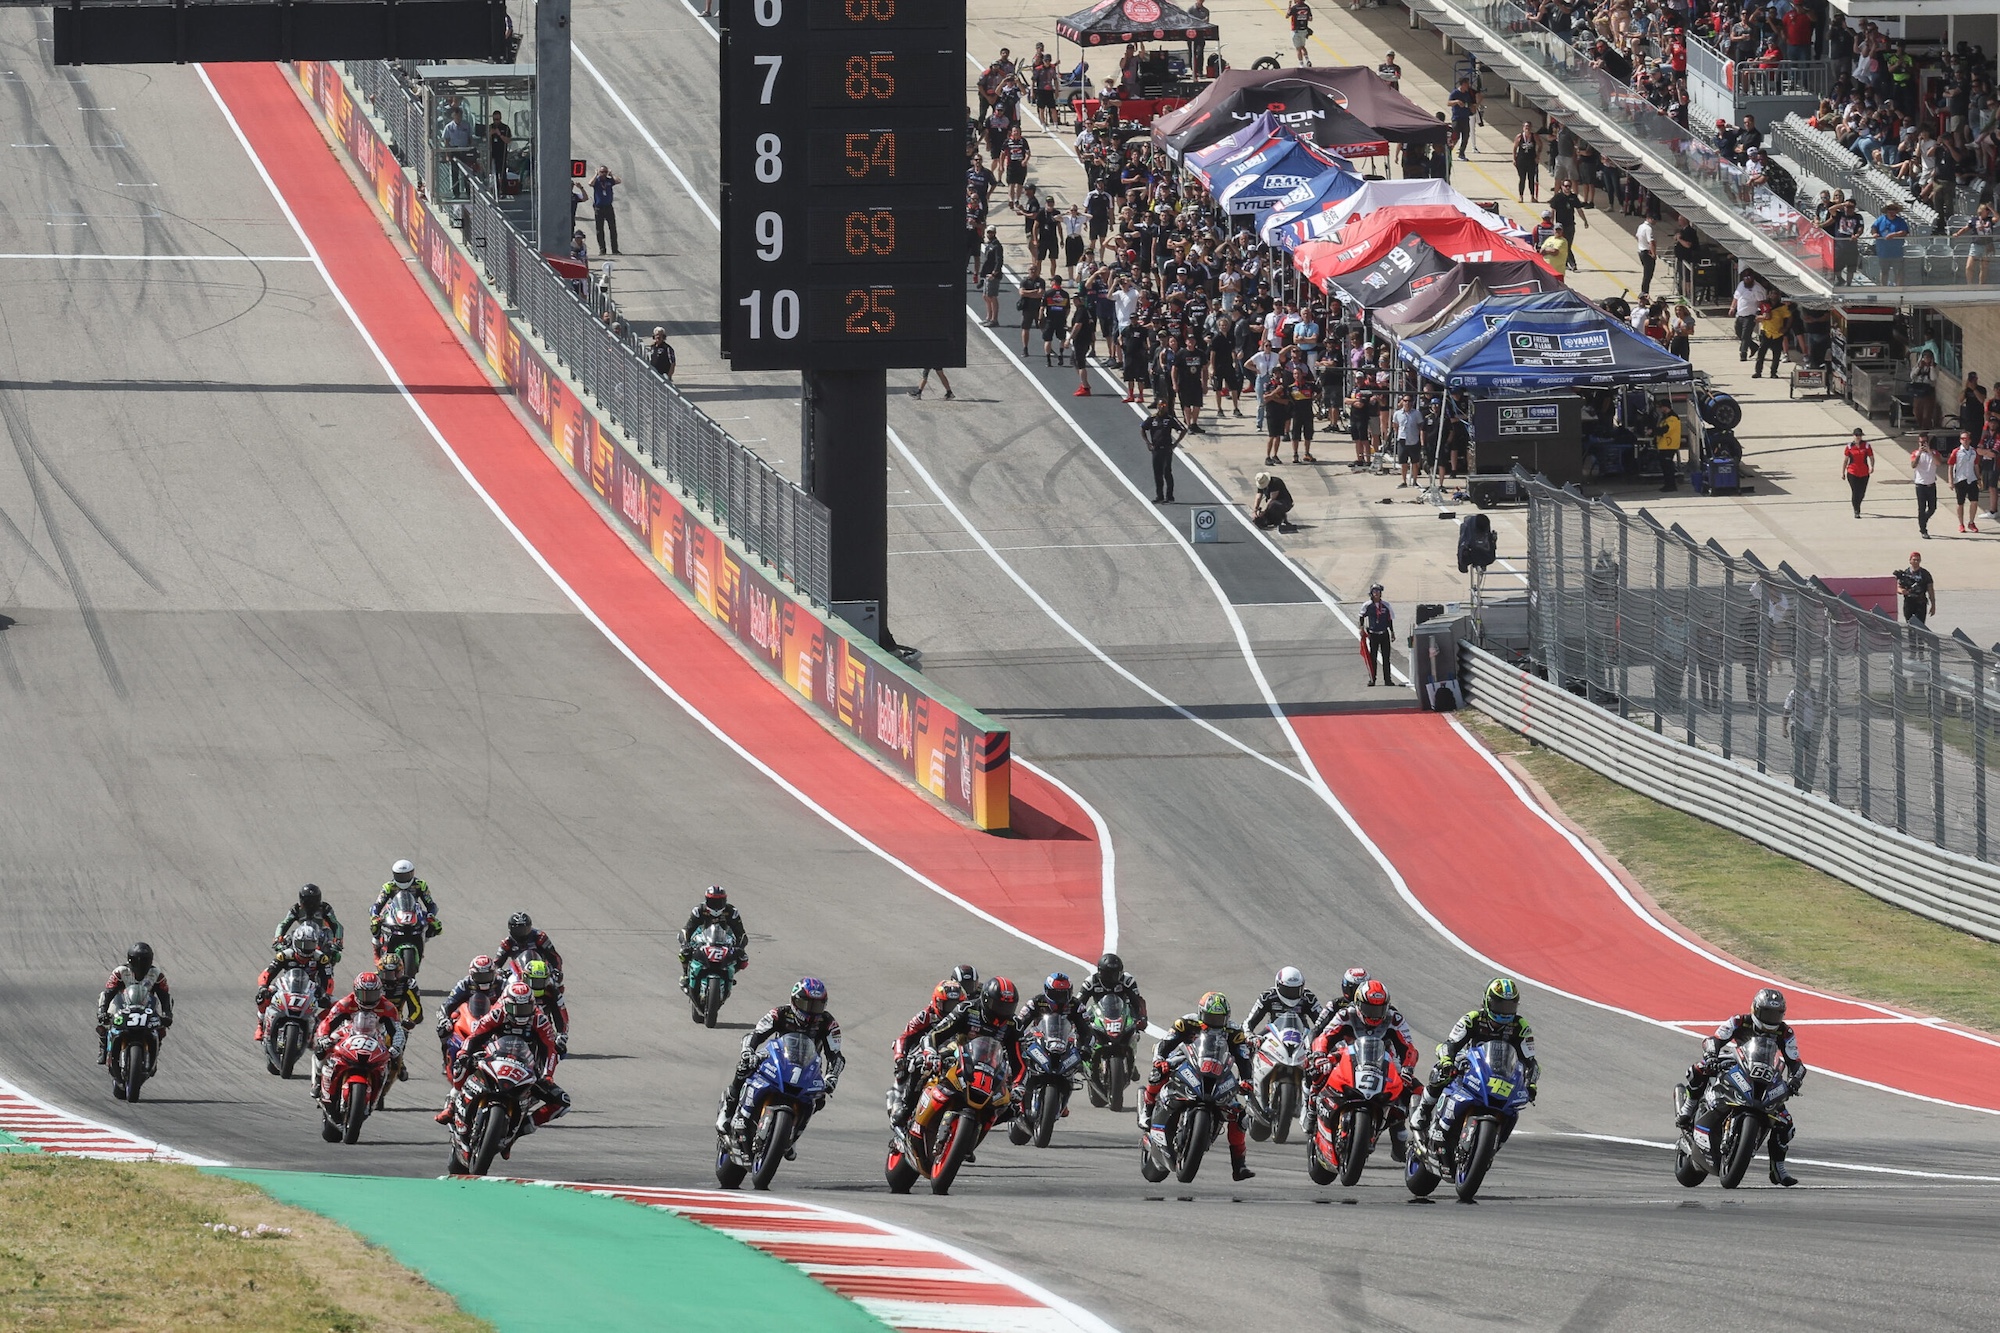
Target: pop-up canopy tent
(1116,22)
(1290,226)
(1444,228)
(1430,299)
(1308,200)
(1254,134)
(1554,340)
(1260,180)
(1308,109)
(1351,89)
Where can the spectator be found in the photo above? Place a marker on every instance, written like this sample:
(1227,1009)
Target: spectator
(1680,331)
(1924,472)
(1667,446)
(498,136)
(1919,591)
(1527,165)
(1890,228)
(1979,250)
(1687,248)
(1743,304)
(577,194)
(1409,426)
(1361,411)
(924,380)
(1965,479)
(1299,16)
(1463,102)
(1378,631)
(660,354)
(1773,319)
(1567,208)
(992,263)
(1277,400)
(1163,433)
(1649,255)
(457,143)
(1273,503)
(1857,462)
(1029,302)
(602,186)
(1843,223)
(1390,72)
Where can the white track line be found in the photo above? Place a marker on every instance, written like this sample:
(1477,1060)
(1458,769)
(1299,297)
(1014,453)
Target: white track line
(1802,1161)
(174,259)
(647,135)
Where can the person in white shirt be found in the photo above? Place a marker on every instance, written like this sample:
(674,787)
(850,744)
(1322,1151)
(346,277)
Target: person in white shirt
(1743,304)
(1965,480)
(1409,427)
(1649,255)
(1924,471)
(1262,364)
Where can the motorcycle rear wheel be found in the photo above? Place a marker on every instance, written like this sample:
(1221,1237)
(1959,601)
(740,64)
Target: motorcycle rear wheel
(1195,1131)
(964,1136)
(777,1137)
(1420,1178)
(1316,1167)
(356,1111)
(1354,1127)
(1284,1110)
(1686,1170)
(899,1172)
(1740,1152)
(1485,1142)
(711,1002)
(487,1131)
(1153,1172)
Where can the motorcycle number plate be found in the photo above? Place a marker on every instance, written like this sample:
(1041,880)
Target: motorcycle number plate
(1500,1087)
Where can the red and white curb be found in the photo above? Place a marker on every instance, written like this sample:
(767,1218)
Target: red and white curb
(906,1280)
(52,1129)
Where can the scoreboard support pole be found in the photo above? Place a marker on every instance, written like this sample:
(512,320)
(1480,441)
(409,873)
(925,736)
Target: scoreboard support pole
(552,67)
(847,470)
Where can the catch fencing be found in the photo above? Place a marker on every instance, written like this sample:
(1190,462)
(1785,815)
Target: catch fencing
(1766,669)
(773,518)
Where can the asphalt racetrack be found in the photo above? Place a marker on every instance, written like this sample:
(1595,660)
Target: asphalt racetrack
(261,630)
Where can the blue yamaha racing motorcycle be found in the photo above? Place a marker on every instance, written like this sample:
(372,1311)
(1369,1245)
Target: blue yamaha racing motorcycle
(779,1098)
(1481,1106)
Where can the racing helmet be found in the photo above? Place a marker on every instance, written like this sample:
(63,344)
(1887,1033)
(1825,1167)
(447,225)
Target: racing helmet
(1353,980)
(715,899)
(140,959)
(967,977)
(482,974)
(1291,985)
(390,968)
(1214,1012)
(947,996)
(519,1002)
(998,999)
(809,997)
(368,990)
(1110,970)
(1371,1004)
(537,976)
(403,873)
(309,899)
(1767,1010)
(521,928)
(1060,994)
(1503,1000)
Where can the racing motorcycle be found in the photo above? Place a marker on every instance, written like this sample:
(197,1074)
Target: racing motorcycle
(293,1013)
(463,1019)
(132,1028)
(1200,1094)
(1278,1069)
(1363,1095)
(1735,1117)
(493,1103)
(405,927)
(778,1100)
(972,1081)
(1108,1050)
(1049,1050)
(352,1075)
(1490,1090)
(711,971)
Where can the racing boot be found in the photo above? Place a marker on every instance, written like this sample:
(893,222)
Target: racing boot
(103,1055)
(1399,1142)
(1238,1167)
(1685,1103)
(1780,1176)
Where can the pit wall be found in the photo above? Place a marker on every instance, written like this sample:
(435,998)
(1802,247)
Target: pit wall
(929,737)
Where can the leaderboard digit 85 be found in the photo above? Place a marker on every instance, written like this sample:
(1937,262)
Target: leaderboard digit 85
(843,184)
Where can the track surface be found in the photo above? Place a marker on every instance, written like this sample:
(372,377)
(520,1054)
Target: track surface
(285,641)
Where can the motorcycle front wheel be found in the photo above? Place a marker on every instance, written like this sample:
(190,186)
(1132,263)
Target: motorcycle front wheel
(1353,1138)
(1739,1151)
(1196,1129)
(488,1129)
(711,1000)
(356,1112)
(1316,1167)
(900,1172)
(1151,1170)
(964,1137)
(1284,1109)
(1116,1076)
(1485,1141)
(294,1046)
(1686,1170)
(132,1069)
(1420,1178)
(1048,1110)
(771,1145)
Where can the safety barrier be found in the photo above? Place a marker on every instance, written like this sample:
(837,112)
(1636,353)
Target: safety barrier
(939,743)
(1954,890)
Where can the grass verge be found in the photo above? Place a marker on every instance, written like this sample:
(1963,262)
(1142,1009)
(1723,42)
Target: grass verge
(128,1246)
(1767,909)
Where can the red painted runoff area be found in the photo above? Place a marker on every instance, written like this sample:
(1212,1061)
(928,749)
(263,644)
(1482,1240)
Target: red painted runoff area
(1515,890)
(1045,881)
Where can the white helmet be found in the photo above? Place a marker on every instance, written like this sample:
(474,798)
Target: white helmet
(1291,984)
(403,872)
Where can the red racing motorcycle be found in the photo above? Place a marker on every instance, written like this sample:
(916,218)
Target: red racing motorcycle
(352,1076)
(1362,1096)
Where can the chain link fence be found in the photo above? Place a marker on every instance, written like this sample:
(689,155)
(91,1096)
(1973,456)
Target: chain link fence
(1764,667)
(774,519)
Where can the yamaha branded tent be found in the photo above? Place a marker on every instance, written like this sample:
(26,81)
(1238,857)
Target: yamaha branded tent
(1556,340)
(1307,109)
(1444,228)
(1352,89)
(1290,226)
(1260,180)
(1116,22)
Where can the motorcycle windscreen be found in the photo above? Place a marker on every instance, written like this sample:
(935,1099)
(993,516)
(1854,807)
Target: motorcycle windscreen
(403,910)
(1497,1064)
(1211,1053)
(1054,1027)
(1367,1056)
(296,981)
(1109,1009)
(1759,1056)
(714,936)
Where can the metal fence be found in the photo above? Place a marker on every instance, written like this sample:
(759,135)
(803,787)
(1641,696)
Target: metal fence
(774,519)
(1765,668)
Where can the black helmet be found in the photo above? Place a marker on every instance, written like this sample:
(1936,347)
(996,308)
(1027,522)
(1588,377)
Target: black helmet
(520,928)
(967,977)
(1110,969)
(1767,1010)
(140,959)
(999,999)
(309,898)
(716,898)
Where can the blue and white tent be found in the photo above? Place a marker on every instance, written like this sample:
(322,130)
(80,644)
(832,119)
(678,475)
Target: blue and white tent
(1258,182)
(1554,340)
(1314,197)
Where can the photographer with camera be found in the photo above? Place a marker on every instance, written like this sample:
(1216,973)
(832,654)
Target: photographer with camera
(1919,591)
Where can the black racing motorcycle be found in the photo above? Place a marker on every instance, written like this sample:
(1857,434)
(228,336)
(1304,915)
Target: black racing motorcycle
(132,1041)
(1738,1108)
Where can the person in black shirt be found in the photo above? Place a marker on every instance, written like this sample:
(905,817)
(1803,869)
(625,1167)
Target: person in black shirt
(1188,361)
(1567,208)
(1845,226)
(1055,320)
(1687,244)
(1273,503)
(1919,591)
(1029,302)
(1133,342)
(1378,628)
(1163,432)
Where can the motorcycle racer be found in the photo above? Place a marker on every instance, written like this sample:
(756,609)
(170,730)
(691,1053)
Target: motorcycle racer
(1372,1013)
(1498,1018)
(403,875)
(522,936)
(1291,993)
(944,999)
(312,906)
(989,1014)
(806,1013)
(1111,978)
(1212,1015)
(715,909)
(1766,1017)
(483,977)
(548,992)
(517,1015)
(367,995)
(1350,982)
(136,970)
(285,957)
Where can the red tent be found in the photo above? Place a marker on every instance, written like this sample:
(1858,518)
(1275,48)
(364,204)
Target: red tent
(1443,228)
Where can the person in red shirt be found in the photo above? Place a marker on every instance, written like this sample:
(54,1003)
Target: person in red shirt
(1797,26)
(1857,464)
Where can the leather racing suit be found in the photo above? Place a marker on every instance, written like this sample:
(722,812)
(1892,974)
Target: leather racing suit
(541,1034)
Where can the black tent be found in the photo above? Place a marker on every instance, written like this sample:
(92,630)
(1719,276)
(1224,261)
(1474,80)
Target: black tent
(1310,111)
(1354,88)
(1430,288)
(1115,22)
